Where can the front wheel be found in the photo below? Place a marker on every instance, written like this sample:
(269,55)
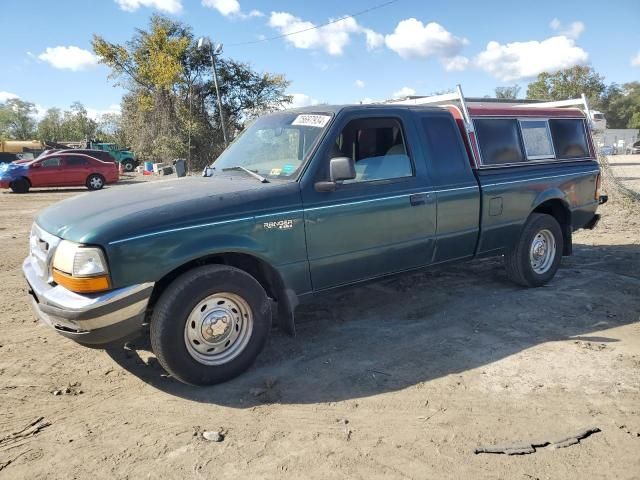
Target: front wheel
(210,324)
(21,185)
(535,259)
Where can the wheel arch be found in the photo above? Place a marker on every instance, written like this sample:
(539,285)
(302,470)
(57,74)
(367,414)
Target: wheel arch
(556,206)
(260,269)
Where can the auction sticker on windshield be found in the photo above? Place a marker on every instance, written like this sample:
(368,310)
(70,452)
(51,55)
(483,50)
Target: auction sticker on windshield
(307,120)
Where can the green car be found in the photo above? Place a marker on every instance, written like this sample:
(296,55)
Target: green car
(305,201)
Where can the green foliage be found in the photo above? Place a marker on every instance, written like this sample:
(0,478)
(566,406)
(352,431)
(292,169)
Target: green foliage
(71,125)
(621,105)
(17,119)
(568,83)
(170,110)
(508,92)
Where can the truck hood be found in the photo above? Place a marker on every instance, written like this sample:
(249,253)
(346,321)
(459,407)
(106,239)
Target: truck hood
(126,211)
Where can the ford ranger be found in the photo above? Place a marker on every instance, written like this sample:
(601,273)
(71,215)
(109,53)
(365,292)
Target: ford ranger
(305,201)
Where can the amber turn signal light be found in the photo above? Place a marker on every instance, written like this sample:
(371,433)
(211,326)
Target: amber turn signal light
(98,283)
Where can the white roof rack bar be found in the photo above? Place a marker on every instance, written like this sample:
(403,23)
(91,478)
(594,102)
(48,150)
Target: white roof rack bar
(447,97)
(456,96)
(560,103)
(574,102)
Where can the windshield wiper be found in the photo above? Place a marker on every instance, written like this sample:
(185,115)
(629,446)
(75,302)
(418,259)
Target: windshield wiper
(246,170)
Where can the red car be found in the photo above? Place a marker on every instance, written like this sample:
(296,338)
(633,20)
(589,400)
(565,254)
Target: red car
(60,170)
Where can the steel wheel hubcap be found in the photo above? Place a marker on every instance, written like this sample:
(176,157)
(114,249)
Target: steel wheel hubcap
(543,251)
(218,328)
(96,182)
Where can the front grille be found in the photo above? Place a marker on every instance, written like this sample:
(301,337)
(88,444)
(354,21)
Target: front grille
(42,246)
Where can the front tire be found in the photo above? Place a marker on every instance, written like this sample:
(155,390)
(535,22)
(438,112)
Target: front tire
(21,185)
(535,259)
(210,324)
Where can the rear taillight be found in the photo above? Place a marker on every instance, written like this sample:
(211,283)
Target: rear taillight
(598,183)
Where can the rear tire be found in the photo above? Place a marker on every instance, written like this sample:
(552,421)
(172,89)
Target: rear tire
(210,324)
(20,185)
(128,165)
(95,182)
(535,259)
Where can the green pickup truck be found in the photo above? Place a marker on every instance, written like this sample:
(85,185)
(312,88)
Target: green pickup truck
(124,157)
(305,201)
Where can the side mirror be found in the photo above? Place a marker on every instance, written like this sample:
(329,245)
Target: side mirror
(36,165)
(340,169)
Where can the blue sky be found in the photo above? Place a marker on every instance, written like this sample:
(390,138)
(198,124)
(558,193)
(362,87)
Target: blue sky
(408,46)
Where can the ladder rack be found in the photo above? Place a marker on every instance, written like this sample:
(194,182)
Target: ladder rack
(459,98)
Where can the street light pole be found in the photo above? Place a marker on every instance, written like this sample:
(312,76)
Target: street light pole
(204,42)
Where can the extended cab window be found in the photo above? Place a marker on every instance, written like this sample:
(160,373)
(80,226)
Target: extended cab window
(445,152)
(537,139)
(378,148)
(569,138)
(499,141)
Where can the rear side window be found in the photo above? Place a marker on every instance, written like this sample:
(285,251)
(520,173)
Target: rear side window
(445,153)
(569,138)
(499,141)
(75,161)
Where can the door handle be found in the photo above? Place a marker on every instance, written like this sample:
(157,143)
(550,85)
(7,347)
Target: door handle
(418,199)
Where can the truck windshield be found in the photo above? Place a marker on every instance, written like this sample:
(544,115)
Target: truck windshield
(274,146)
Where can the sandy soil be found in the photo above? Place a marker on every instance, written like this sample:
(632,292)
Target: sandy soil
(399,379)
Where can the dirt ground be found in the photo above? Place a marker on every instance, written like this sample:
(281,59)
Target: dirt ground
(399,379)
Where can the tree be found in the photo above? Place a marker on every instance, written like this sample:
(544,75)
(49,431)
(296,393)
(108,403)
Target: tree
(110,129)
(71,125)
(568,83)
(17,119)
(508,92)
(621,105)
(77,125)
(171,102)
(50,128)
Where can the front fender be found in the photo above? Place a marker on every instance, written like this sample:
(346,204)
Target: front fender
(149,259)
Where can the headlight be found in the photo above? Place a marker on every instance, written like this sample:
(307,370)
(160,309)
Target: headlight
(79,268)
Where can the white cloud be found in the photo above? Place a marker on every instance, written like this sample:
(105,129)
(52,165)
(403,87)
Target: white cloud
(231,8)
(413,39)
(403,92)
(455,64)
(359,83)
(70,58)
(573,30)
(169,6)
(635,61)
(332,38)
(374,39)
(521,60)
(301,100)
(4,96)
(96,113)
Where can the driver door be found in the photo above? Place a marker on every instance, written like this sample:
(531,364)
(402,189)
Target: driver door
(381,222)
(46,173)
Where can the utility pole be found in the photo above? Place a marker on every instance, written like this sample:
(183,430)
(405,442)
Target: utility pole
(203,44)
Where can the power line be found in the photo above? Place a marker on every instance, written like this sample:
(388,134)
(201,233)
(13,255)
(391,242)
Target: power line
(353,15)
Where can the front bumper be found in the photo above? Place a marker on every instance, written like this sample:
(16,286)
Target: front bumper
(91,319)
